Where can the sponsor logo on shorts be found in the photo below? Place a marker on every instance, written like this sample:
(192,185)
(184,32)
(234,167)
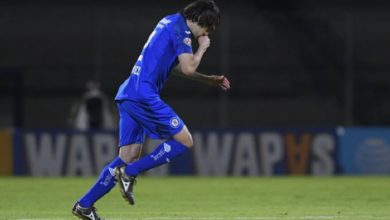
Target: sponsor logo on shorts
(174,122)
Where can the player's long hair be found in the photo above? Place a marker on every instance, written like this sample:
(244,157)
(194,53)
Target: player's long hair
(204,12)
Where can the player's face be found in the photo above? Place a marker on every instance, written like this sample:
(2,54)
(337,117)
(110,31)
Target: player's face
(200,31)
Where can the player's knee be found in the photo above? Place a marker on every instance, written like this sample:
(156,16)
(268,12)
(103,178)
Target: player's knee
(125,158)
(129,158)
(184,137)
(188,142)
(130,153)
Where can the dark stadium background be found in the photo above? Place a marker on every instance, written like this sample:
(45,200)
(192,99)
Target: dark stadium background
(290,63)
(307,117)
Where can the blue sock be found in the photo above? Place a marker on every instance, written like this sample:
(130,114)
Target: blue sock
(161,155)
(103,185)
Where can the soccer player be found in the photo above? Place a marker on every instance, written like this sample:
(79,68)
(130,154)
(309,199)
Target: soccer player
(141,110)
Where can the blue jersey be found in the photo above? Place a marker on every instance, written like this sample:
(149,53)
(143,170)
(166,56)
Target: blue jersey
(169,39)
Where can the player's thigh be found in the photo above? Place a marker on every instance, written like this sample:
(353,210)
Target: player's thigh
(157,118)
(131,136)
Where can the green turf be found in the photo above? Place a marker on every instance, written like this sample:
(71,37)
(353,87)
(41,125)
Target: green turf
(205,198)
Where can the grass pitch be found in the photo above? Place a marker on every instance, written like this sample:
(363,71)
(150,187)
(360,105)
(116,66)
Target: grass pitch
(185,198)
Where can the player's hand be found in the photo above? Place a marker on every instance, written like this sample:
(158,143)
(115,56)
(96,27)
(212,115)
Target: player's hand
(204,42)
(220,81)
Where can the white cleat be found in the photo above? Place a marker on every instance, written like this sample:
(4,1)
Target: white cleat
(85,213)
(126,184)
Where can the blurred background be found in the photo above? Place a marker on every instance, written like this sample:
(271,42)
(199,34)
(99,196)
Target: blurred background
(294,63)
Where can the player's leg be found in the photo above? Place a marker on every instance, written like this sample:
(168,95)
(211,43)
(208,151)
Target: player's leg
(160,121)
(131,137)
(128,153)
(184,137)
(103,184)
(164,153)
(84,208)
(106,181)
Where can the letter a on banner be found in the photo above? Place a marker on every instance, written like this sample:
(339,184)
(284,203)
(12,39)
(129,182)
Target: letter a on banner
(298,153)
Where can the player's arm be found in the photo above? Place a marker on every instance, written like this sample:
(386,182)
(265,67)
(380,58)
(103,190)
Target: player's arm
(188,62)
(213,80)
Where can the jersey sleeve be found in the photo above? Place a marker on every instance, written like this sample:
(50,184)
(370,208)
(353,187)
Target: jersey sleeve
(181,40)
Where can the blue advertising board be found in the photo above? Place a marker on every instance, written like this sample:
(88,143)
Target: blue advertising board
(364,150)
(217,152)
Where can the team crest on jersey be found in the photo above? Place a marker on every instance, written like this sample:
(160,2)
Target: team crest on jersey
(187,41)
(174,122)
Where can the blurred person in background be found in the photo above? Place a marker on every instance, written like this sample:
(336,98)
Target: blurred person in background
(93,110)
(141,110)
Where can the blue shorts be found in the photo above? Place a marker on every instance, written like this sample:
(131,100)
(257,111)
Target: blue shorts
(153,118)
